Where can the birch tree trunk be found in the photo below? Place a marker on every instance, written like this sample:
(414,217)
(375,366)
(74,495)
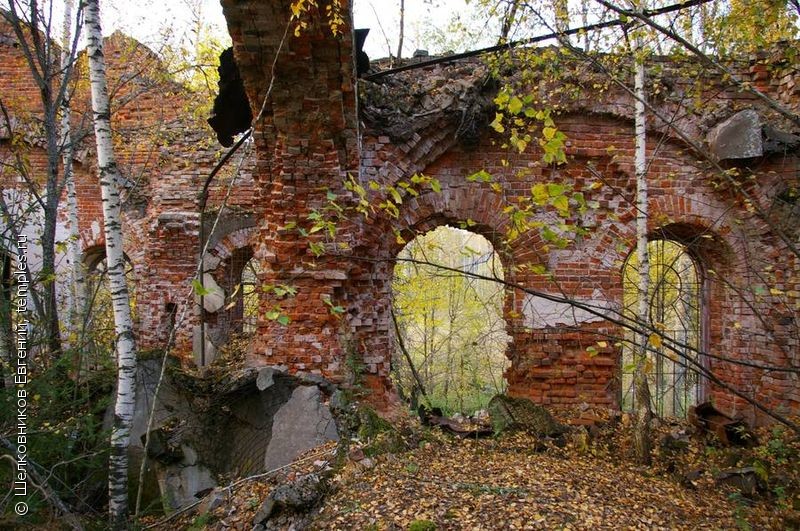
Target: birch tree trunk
(78,305)
(126,348)
(402,24)
(643,414)
(561,17)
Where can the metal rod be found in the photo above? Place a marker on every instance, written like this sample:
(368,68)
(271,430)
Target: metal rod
(203,201)
(532,40)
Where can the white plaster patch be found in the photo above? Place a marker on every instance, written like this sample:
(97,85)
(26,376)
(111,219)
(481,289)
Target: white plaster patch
(541,313)
(95,230)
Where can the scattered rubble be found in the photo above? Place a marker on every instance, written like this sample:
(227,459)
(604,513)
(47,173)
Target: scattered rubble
(511,413)
(729,431)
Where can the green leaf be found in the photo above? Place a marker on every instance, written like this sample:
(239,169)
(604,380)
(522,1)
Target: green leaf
(317,248)
(436,186)
(539,193)
(395,195)
(283,319)
(497,124)
(554,190)
(562,205)
(199,289)
(482,176)
(515,105)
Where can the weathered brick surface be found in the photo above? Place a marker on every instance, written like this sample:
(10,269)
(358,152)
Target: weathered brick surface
(551,364)
(309,138)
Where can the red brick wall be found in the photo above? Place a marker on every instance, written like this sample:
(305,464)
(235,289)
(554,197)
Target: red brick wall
(309,138)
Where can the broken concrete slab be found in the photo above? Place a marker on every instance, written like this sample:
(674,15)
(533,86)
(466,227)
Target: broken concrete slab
(301,424)
(180,485)
(214,298)
(738,137)
(543,313)
(265,378)
(780,142)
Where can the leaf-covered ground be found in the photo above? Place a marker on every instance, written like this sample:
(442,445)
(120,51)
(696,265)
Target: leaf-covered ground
(517,482)
(506,484)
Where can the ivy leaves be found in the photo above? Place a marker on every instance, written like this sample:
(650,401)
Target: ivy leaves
(524,122)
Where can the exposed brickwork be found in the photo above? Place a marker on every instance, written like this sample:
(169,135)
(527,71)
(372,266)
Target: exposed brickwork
(310,137)
(550,365)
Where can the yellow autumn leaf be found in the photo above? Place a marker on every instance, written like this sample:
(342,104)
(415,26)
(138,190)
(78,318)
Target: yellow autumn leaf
(654,340)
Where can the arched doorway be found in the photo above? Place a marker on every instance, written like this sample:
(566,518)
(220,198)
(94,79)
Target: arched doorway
(97,335)
(449,323)
(675,304)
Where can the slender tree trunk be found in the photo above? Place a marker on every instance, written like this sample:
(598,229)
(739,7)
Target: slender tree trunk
(402,23)
(126,348)
(78,305)
(48,238)
(508,22)
(402,344)
(561,15)
(585,22)
(641,425)
(45,70)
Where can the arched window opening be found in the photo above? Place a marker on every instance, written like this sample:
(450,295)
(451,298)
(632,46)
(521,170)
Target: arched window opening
(98,331)
(675,309)
(231,327)
(249,286)
(450,324)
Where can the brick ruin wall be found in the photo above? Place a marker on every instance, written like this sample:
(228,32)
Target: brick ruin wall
(312,135)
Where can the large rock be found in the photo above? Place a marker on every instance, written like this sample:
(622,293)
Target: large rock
(299,496)
(509,413)
(738,137)
(301,424)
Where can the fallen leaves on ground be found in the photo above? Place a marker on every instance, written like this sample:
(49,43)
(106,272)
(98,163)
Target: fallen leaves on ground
(518,481)
(506,484)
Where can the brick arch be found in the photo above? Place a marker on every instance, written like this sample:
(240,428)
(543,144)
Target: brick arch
(453,206)
(704,229)
(223,250)
(397,161)
(226,261)
(92,256)
(366,294)
(710,251)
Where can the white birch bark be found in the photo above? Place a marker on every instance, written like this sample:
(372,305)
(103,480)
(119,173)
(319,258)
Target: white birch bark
(126,348)
(641,435)
(78,305)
